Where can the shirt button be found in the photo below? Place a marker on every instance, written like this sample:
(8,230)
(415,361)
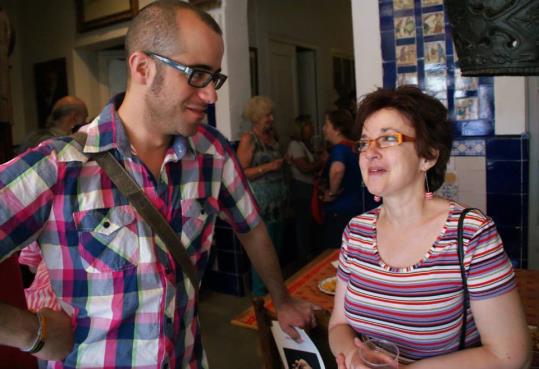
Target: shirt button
(106,224)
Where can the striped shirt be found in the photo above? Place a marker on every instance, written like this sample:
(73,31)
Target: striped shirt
(420,307)
(131,307)
(40,294)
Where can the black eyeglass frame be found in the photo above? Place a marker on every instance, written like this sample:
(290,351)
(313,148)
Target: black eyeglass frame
(218,79)
(367,142)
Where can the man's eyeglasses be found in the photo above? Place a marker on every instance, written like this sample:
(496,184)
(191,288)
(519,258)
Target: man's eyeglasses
(392,139)
(198,78)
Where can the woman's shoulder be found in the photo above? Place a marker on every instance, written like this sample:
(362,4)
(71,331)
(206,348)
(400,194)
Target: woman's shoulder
(474,220)
(247,138)
(365,221)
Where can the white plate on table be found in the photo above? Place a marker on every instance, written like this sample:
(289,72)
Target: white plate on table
(327,285)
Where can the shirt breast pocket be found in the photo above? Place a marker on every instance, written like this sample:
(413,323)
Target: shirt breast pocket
(197,214)
(108,239)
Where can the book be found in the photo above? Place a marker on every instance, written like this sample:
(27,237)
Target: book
(296,355)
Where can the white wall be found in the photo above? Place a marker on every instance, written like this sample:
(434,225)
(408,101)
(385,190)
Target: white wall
(367,46)
(323,25)
(232,17)
(510,105)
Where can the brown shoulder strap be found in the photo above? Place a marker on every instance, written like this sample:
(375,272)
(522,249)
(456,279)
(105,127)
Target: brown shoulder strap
(130,189)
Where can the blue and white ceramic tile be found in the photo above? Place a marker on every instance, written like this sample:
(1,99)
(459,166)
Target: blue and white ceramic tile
(417,47)
(468,148)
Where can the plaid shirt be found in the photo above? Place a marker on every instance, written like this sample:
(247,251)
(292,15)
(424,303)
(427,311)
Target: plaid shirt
(131,307)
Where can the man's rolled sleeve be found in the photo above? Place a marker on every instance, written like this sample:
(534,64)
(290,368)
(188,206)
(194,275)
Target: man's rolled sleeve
(238,205)
(26,184)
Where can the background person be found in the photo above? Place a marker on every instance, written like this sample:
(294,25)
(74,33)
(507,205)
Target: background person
(341,195)
(126,300)
(303,164)
(67,113)
(262,161)
(399,276)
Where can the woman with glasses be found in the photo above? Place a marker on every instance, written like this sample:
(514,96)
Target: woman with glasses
(340,193)
(399,276)
(260,157)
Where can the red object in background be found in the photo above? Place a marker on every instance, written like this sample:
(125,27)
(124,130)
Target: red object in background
(12,293)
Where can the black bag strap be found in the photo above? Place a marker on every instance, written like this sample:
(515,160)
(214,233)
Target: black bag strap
(138,199)
(466,293)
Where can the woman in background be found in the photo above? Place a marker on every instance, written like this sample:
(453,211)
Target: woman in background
(259,155)
(304,165)
(399,276)
(341,196)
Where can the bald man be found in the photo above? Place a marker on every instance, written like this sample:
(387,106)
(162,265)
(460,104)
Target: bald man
(67,112)
(129,304)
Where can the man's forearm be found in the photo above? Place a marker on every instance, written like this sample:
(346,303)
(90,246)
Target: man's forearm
(263,257)
(18,327)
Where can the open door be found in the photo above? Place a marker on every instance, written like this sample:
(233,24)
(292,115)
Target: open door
(284,89)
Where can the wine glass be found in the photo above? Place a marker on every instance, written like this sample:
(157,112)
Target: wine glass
(379,354)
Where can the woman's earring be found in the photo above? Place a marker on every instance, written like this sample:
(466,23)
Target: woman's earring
(428,194)
(377,198)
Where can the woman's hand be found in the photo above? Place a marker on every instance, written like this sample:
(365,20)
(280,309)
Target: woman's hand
(275,165)
(353,359)
(301,364)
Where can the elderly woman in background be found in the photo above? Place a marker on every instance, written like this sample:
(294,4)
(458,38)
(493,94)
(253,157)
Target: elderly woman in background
(259,155)
(304,165)
(399,275)
(341,196)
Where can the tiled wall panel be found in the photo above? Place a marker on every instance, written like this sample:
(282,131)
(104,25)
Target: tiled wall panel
(486,171)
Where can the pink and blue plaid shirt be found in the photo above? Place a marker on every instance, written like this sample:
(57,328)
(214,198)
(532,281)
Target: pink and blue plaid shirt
(131,307)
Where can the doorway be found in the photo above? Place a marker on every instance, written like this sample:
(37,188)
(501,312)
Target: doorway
(293,86)
(112,74)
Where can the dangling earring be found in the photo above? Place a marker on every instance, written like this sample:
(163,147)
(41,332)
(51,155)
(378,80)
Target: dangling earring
(428,194)
(377,198)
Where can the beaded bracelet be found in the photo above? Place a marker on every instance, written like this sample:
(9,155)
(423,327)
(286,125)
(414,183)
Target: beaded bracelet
(39,341)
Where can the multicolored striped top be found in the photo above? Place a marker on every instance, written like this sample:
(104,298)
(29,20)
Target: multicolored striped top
(131,306)
(420,307)
(39,294)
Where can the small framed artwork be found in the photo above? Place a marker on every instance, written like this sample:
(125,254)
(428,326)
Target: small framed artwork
(206,4)
(404,27)
(92,14)
(433,23)
(435,52)
(50,84)
(406,55)
(403,4)
(253,67)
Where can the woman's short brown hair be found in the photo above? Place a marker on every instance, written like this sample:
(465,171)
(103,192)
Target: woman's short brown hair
(342,121)
(428,116)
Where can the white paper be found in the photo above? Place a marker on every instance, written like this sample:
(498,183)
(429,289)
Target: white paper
(296,355)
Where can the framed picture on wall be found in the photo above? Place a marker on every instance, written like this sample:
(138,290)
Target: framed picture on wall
(92,14)
(50,84)
(253,67)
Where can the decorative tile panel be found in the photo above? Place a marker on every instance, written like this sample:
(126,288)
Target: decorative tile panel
(417,48)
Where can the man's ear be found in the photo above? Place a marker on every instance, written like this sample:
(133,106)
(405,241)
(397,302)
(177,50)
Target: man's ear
(141,68)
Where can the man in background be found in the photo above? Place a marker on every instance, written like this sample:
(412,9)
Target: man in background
(67,113)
